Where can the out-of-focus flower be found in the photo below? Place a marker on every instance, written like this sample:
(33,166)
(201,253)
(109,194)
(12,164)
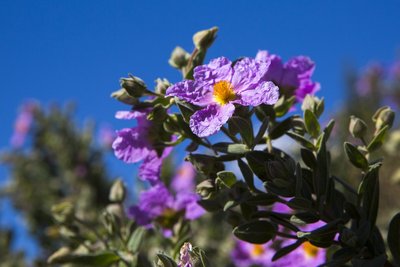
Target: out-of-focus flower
(218,86)
(368,81)
(106,136)
(184,178)
(22,124)
(158,205)
(133,145)
(246,255)
(292,77)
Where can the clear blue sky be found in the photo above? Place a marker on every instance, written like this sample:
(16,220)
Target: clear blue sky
(77,50)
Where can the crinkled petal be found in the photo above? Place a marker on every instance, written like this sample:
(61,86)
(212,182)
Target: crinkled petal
(150,169)
(129,146)
(302,65)
(217,70)
(247,74)
(129,115)
(264,93)
(275,69)
(191,91)
(209,120)
(306,87)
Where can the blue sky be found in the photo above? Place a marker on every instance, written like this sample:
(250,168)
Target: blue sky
(55,51)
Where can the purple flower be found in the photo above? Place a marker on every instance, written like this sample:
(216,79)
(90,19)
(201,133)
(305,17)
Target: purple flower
(158,205)
(245,254)
(184,179)
(23,124)
(292,77)
(218,86)
(133,145)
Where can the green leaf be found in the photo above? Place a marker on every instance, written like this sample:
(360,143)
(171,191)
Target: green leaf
(281,128)
(328,129)
(369,194)
(355,156)
(393,238)
(245,129)
(226,178)
(378,140)
(100,259)
(301,140)
(185,109)
(165,261)
(308,158)
(286,250)
(231,148)
(257,162)
(283,105)
(299,203)
(311,123)
(247,174)
(263,199)
(321,173)
(261,131)
(136,239)
(256,232)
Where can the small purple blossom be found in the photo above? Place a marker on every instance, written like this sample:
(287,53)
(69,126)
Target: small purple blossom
(218,85)
(22,124)
(184,179)
(292,77)
(133,145)
(158,204)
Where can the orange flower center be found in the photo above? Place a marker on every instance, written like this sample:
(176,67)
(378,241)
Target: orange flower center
(257,250)
(223,92)
(310,250)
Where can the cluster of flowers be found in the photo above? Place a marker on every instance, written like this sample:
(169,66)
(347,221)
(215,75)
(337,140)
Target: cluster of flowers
(217,89)
(158,203)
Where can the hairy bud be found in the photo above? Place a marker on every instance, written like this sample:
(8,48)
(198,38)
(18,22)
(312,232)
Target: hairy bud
(204,39)
(357,127)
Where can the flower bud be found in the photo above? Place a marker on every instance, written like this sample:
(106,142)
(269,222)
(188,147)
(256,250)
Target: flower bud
(357,127)
(204,39)
(179,58)
(314,104)
(205,188)
(134,86)
(162,85)
(117,192)
(382,117)
(60,254)
(123,96)
(63,212)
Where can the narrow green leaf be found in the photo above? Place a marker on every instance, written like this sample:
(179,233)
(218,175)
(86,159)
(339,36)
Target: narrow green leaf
(100,259)
(286,250)
(393,238)
(378,140)
(355,156)
(245,129)
(247,174)
(301,140)
(166,261)
(256,232)
(136,239)
(280,128)
(226,178)
(311,123)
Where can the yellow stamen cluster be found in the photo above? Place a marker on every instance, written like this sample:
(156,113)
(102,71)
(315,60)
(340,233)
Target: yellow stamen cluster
(223,92)
(310,250)
(257,250)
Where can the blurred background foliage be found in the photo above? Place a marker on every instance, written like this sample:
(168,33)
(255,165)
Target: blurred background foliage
(60,184)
